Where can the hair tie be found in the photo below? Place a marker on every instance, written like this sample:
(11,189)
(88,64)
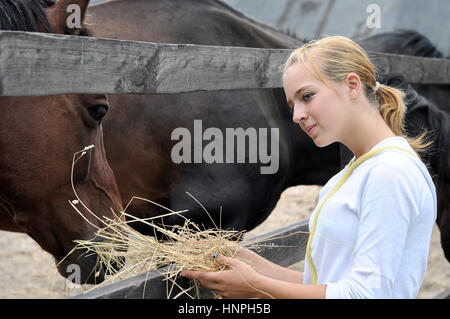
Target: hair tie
(377,86)
(309,42)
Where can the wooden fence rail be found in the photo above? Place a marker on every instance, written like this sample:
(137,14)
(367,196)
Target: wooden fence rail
(45,64)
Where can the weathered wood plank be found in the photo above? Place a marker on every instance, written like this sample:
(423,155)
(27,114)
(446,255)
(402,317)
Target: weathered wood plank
(72,64)
(414,69)
(285,246)
(145,286)
(45,64)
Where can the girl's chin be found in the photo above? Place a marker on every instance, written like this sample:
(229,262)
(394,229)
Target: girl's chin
(320,142)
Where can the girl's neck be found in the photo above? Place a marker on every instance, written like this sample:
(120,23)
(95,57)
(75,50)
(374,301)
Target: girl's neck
(365,133)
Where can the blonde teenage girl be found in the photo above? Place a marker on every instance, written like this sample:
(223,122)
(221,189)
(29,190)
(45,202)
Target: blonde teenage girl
(370,232)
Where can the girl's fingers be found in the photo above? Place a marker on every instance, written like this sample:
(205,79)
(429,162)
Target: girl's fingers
(205,278)
(223,260)
(200,275)
(189,274)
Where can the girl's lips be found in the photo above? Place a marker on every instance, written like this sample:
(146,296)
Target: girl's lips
(310,128)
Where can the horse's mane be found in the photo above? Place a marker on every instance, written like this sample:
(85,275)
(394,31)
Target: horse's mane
(407,42)
(26,15)
(418,43)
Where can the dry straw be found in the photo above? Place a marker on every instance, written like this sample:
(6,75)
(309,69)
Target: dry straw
(186,247)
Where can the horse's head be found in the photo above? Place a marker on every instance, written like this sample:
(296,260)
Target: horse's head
(38,138)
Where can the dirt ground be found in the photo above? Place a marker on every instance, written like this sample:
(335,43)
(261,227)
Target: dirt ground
(26,271)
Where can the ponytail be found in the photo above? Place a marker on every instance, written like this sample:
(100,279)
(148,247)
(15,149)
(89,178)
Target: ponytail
(392,109)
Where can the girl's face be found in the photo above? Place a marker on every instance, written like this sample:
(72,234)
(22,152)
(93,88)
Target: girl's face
(318,109)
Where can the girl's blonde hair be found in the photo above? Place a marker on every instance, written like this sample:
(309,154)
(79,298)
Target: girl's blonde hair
(332,58)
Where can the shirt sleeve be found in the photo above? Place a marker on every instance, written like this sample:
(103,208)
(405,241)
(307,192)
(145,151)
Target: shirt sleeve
(389,203)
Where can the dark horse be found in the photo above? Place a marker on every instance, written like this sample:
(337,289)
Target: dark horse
(138,132)
(38,138)
(143,129)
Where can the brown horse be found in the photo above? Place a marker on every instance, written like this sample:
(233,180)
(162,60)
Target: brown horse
(38,139)
(142,163)
(138,131)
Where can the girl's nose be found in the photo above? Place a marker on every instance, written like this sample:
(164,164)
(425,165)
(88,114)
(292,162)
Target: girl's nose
(299,114)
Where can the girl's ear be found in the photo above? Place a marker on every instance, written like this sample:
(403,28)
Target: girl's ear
(353,83)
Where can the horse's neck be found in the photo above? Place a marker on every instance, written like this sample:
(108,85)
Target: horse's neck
(222,25)
(277,38)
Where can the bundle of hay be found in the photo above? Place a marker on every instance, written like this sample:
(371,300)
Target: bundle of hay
(185,247)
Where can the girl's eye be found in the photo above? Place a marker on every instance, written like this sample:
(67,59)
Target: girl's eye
(307,96)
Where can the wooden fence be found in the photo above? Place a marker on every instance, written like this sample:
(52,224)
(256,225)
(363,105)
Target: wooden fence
(116,66)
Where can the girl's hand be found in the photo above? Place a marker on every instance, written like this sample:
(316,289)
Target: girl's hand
(268,268)
(258,263)
(236,282)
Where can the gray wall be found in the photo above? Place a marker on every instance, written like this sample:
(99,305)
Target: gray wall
(311,18)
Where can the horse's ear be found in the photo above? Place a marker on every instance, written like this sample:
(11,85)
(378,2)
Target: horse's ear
(66,16)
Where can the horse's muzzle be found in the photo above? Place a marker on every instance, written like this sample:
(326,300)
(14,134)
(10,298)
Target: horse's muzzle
(83,267)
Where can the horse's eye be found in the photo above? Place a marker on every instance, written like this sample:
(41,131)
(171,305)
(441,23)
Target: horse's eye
(98,112)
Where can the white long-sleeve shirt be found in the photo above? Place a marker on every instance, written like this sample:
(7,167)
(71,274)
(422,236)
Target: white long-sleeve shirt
(373,235)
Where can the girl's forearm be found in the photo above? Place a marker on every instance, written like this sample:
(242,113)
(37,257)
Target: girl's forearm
(272,270)
(284,274)
(272,288)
